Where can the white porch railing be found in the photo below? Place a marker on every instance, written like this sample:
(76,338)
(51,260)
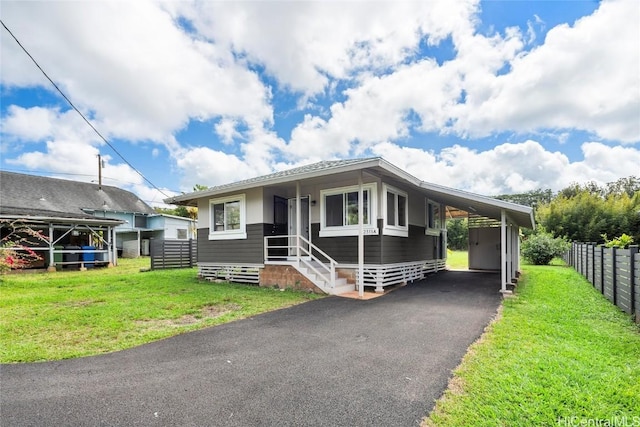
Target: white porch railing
(286,250)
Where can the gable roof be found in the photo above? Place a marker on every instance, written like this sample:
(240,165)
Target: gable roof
(462,200)
(32,195)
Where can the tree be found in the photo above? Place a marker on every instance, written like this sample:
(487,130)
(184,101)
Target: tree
(458,234)
(585,213)
(15,244)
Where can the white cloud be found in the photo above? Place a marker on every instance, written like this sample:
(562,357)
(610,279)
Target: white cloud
(307,44)
(584,77)
(512,167)
(142,82)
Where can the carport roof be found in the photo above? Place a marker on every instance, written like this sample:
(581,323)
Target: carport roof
(462,200)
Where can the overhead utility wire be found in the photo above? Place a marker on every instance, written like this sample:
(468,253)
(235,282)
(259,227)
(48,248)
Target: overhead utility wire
(80,113)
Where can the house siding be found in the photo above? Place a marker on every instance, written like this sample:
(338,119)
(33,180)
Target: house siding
(241,251)
(345,249)
(416,247)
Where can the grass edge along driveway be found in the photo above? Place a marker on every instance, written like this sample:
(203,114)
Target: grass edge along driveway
(61,315)
(559,354)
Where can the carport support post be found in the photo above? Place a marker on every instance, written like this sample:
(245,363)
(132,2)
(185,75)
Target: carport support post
(361,237)
(298,219)
(503,253)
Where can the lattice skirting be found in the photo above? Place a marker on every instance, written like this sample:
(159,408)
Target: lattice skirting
(392,274)
(247,273)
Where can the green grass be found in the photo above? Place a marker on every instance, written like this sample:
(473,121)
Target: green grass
(559,350)
(61,315)
(458,260)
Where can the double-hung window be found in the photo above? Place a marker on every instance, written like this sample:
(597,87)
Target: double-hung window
(433,220)
(228,218)
(339,211)
(396,218)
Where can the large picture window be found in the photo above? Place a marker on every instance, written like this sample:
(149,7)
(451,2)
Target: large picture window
(339,211)
(433,222)
(396,212)
(228,218)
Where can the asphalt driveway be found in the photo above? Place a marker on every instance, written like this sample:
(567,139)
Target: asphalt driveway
(328,362)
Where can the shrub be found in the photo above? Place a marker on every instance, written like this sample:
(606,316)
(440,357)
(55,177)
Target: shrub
(541,248)
(619,242)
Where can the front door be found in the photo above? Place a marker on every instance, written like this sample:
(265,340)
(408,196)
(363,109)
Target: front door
(304,222)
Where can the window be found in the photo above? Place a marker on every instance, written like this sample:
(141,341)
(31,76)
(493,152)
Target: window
(339,210)
(140,221)
(228,218)
(182,233)
(396,217)
(433,223)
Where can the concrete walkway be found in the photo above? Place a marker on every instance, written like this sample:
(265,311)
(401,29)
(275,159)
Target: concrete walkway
(328,362)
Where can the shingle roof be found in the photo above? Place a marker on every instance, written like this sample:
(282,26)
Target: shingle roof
(42,196)
(324,165)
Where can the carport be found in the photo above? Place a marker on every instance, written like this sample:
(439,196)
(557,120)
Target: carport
(494,229)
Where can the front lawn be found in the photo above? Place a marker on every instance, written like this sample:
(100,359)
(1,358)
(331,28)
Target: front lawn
(50,316)
(560,354)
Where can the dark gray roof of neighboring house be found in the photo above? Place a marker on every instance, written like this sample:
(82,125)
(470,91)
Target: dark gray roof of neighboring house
(32,195)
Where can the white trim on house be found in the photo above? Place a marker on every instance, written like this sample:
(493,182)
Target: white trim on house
(228,234)
(370,227)
(400,226)
(433,218)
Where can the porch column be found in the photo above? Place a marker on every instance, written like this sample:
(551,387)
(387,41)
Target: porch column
(51,266)
(361,237)
(113,246)
(298,219)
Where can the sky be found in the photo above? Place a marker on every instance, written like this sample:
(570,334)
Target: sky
(492,97)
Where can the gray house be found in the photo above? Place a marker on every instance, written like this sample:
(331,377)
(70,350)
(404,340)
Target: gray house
(338,225)
(78,214)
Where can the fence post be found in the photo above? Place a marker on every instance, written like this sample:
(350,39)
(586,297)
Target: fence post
(601,269)
(614,275)
(190,253)
(633,255)
(593,263)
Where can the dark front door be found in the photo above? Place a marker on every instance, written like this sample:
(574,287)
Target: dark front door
(280,225)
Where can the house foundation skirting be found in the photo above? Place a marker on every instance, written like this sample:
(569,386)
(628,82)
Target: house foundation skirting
(286,275)
(245,273)
(382,275)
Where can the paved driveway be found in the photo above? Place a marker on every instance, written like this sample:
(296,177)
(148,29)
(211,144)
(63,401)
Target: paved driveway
(329,362)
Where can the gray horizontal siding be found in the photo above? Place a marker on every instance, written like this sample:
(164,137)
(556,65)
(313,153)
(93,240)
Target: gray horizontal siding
(241,251)
(344,249)
(416,247)
(379,249)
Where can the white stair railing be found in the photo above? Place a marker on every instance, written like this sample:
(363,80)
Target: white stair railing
(311,257)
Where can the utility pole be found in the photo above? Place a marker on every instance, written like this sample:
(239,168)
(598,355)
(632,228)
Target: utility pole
(99,172)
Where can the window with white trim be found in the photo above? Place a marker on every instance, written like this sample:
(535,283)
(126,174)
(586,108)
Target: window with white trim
(228,218)
(433,220)
(396,209)
(339,211)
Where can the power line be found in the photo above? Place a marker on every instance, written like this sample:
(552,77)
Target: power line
(78,111)
(78,174)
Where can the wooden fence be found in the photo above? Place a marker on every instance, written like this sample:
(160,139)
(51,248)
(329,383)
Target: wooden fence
(613,272)
(173,253)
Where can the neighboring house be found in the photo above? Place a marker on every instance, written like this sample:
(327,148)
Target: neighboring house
(337,224)
(80,214)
